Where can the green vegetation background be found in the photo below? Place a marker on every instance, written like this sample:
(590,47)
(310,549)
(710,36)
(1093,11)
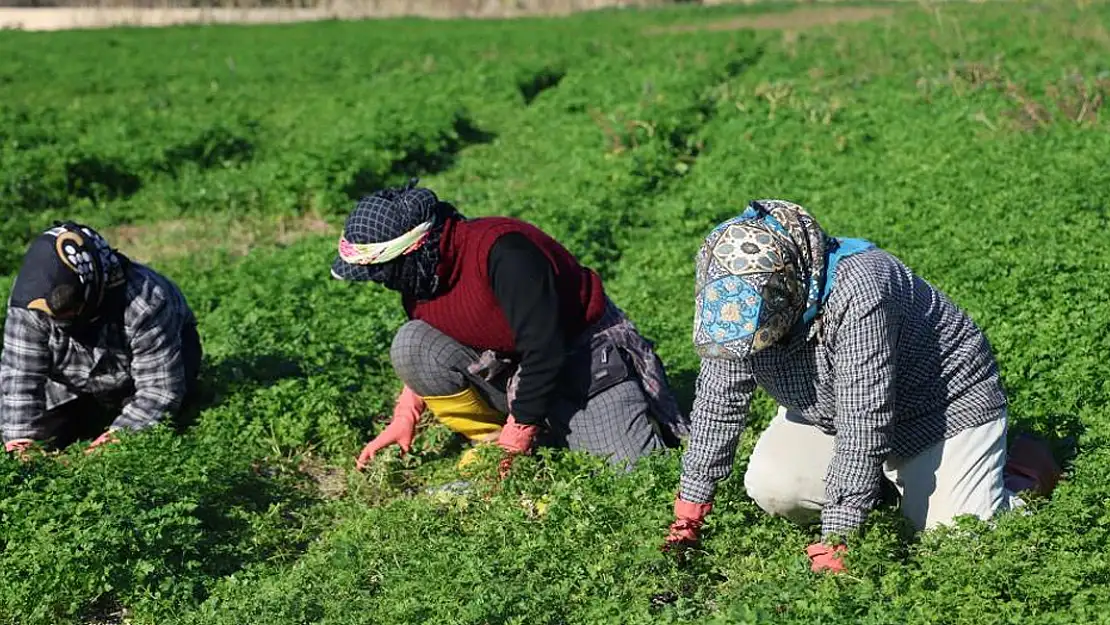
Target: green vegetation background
(966,139)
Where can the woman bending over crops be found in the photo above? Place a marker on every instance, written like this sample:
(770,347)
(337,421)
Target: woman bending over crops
(877,374)
(509,339)
(92,341)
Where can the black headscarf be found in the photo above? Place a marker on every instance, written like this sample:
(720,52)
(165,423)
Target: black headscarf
(69,273)
(386,215)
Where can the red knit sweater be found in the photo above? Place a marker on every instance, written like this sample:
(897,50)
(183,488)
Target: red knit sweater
(467,309)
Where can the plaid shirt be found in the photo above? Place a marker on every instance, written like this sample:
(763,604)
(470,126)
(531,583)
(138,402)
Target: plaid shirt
(42,367)
(894,368)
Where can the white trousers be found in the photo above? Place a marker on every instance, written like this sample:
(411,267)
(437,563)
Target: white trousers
(958,476)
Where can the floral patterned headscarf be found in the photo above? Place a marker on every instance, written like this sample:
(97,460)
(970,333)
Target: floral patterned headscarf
(759,275)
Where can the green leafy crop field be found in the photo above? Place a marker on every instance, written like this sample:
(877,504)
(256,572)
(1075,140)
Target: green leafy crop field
(970,140)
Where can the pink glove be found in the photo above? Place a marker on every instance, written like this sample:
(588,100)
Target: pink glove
(400,430)
(823,557)
(689,517)
(514,439)
(19,447)
(103,439)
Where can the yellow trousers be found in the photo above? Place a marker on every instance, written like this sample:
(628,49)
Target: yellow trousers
(468,414)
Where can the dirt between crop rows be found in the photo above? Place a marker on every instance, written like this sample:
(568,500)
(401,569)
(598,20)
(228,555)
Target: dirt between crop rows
(796,19)
(174,238)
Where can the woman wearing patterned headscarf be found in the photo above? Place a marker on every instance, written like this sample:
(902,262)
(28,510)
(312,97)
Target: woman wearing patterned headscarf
(877,374)
(509,339)
(92,340)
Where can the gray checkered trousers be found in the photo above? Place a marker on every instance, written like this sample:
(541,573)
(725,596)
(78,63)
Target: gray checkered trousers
(629,416)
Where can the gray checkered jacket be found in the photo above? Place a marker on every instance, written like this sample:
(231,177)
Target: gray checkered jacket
(894,368)
(42,367)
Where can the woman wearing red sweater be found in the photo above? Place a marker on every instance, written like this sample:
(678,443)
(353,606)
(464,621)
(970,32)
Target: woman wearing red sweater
(509,339)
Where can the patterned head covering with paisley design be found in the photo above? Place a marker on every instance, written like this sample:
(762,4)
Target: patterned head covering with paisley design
(761,273)
(66,273)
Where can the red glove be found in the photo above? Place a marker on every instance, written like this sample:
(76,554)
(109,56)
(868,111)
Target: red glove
(103,439)
(688,520)
(823,557)
(400,430)
(514,439)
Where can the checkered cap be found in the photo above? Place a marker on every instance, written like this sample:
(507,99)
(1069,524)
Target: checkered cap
(381,216)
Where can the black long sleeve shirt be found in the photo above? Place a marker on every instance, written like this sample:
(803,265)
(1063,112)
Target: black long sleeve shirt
(524,283)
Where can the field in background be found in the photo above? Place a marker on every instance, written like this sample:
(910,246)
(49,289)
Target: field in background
(66,18)
(50,15)
(969,140)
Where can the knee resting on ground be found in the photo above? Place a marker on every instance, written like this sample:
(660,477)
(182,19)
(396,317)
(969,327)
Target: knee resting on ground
(784,493)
